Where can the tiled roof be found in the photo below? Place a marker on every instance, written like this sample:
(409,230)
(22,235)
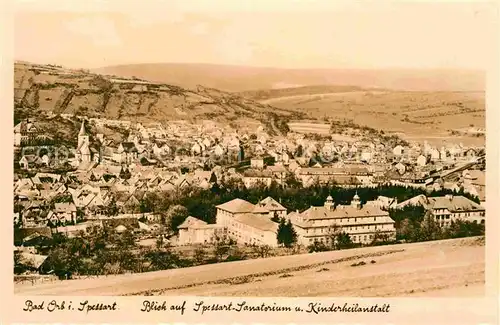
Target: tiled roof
(64,207)
(237,206)
(271,204)
(129,223)
(192,222)
(316,213)
(454,203)
(33,259)
(258,222)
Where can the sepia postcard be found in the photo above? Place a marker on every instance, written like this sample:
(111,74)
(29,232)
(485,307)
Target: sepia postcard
(250,162)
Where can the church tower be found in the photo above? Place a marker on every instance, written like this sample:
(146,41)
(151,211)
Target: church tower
(83,148)
(82,135)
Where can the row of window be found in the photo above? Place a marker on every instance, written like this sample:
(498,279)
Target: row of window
(326,240)
(245,238)
(326,230)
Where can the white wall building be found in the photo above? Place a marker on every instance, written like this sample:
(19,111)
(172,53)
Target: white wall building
(317,224)
(247,223)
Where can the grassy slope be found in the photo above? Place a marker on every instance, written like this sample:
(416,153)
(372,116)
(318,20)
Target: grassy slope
(419,114)
(46,88)
(407,269)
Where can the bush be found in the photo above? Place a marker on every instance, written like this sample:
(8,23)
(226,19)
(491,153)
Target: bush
(317,247)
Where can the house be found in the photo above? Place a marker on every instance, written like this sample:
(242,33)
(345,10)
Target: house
(24,132)
(30,161)
(275,208)
(257,163)
(72,231)
(421,160)
(400,168)
(205,176)
(248,223)
(362,223)
(196,149)
(384,202)
(218,150)
(196,231)
(33,262)
(366,156)
(434,154)
(448,208)
(33,236)
(347,176)
(121,224)
(252,178)
(470,153)
(65,211)
(127,153)
(398,150)
(476,180)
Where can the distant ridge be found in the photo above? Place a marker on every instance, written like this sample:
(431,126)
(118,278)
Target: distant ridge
(242,78)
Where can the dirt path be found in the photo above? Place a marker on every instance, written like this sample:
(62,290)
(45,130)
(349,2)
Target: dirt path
(441,268)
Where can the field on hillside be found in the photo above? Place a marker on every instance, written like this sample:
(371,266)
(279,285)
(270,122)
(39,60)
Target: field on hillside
(441,268)
(416,115)
(43,88)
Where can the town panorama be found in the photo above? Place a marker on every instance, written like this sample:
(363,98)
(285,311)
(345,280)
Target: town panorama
(116,175)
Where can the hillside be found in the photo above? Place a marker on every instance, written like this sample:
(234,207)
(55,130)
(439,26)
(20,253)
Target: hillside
(453,267)
(268,94)
(44,88)
(415,115)
(241,78)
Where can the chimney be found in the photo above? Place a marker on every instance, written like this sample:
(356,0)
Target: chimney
(449,196)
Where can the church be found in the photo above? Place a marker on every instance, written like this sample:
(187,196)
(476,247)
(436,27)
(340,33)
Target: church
(83,153)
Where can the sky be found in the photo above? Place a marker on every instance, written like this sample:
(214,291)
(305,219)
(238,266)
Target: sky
(277,33)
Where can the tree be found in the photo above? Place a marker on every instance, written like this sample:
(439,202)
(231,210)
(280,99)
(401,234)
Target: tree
(126,239)
(380,238)
(112,208)
(343,241)
(221,249)
(128,261)
(299,151)
(429,229)
(317,247)
(262,250)
(235,254)
(176,215)
(286,235)
(461,228)
(199,255)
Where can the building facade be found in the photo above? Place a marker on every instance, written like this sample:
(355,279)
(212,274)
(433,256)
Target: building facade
(251,224)
(362,223)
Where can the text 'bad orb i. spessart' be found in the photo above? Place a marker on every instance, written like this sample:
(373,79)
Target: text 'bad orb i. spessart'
(82,306)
